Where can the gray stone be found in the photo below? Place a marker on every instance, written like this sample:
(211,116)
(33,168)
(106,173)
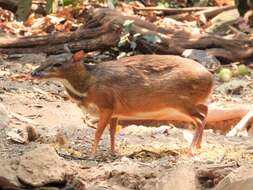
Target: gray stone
(235,87)
(180,178)
(41,166)
(240,179)
(8,174)
(201,56)
(221,22)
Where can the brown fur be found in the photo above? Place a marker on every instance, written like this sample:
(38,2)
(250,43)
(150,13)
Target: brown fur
(133,86)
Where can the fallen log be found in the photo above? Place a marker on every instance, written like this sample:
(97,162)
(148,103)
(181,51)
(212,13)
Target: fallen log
(102,42)
(58,38)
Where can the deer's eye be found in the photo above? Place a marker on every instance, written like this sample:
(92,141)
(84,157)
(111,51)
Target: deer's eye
(57,65)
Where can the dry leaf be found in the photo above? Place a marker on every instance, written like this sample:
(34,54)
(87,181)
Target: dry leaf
(66,12)
(21,77)
(67,26)
(118,128)
(78,56)
(224,2)
(29,21)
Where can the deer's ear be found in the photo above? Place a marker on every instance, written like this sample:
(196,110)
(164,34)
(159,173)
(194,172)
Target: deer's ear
(78,56)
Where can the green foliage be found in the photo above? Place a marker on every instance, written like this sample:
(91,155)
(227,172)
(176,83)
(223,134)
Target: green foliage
(133,45)
(164,4)
(111,3)
(124,54)
(127,25)
(125,38)
(128,1)
(53,6)
(67,2)
(152,39)
(73,2)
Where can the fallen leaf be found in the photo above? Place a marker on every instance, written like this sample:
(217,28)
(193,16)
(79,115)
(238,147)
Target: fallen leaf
(224,2)
(29,21)
(78,56)
(118,128)
(20,77)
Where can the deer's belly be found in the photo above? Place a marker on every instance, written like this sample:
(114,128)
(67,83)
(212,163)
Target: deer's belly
(162,114)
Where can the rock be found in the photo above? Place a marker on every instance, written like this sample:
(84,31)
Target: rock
(201,56)
(17,135)
(240,179)
(8,174)
(22,135)
(180,178)
(221,22)
(4,116)
(41,166)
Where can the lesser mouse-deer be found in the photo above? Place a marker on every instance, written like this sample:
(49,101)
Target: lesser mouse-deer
(157,87)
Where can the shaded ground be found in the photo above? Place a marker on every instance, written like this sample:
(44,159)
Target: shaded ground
(145,155)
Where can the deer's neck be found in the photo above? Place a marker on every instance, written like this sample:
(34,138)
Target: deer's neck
(75,91)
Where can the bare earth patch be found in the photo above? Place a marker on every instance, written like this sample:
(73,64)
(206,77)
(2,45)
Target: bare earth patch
(147,158)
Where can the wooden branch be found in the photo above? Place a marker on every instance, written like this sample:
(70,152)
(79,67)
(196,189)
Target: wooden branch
(242,124)
(102,42)
(171,11)
(213,11)
(177,40)
(58,38)
(208,13)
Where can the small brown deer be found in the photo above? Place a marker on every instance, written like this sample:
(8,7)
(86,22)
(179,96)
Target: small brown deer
(156,87)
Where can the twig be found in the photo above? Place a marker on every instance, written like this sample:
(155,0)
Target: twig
(172,10)
(241,125)
(213,11)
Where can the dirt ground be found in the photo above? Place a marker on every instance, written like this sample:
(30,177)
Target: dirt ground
(144,155)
